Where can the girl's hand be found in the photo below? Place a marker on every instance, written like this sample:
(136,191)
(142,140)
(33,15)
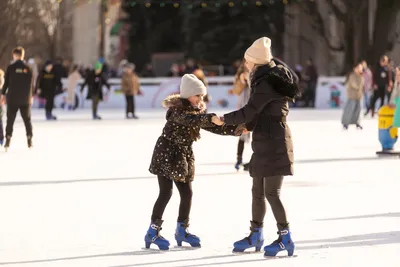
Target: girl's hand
(217,121)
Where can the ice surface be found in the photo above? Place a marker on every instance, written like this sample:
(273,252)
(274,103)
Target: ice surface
(83,195)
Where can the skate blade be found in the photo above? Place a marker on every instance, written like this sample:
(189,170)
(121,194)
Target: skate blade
(280,257)
(246,252)
(153,250)
(177,248)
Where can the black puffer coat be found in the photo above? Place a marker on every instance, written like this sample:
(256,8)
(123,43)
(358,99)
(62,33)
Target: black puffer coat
(173,155)
(265,114)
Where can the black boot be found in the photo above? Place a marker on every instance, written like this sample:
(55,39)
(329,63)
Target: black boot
(8,141)
(29,139)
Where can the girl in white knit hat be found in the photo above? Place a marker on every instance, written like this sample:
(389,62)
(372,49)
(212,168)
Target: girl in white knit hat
(272,86)
(173,159)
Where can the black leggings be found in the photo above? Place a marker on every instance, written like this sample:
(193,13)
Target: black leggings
(130,104)
(268,188)
(186,193)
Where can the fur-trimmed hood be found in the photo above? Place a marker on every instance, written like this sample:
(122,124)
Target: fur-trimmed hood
(279,77)
(175,101)
(172,101)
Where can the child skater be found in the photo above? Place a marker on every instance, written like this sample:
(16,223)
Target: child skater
(173,159)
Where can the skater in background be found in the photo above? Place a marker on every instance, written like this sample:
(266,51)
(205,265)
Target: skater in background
(173,158)
(380,84)
(47,84)
(18,89)
(1,109)
(355,89)
(242,90)
(95,80)
(395,98)
(272,86)
(367,84)
(130,87)
(199,73)
(72,82)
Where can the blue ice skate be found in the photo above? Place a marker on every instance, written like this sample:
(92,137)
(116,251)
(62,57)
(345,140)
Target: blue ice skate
(238,163)
(255,239)
(153,236)
(182,235)
(284,242)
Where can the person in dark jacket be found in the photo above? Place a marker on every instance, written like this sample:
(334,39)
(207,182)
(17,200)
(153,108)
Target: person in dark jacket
(173,158)
(48,83)
(18,88)
(95,80)
(381,82)
(272,86)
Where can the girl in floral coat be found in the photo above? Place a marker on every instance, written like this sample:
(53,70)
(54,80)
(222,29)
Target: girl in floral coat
(173,159)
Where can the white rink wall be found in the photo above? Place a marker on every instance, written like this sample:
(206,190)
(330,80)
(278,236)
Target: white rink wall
(156,89)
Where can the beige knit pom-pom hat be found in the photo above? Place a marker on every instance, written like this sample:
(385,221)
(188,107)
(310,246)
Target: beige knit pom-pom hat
(259,52)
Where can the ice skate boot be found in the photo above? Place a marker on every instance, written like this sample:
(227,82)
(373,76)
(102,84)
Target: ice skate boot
(284,242)
(246,166)
(182,235)
(7,144)
(153,236)
(29,141)
(96,117)
(1,142)
(255,239)
(239,162)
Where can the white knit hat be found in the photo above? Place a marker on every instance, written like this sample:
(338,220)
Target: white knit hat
(259,52)
(191,85)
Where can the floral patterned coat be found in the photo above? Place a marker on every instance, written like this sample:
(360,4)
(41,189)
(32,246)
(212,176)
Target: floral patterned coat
(173,156)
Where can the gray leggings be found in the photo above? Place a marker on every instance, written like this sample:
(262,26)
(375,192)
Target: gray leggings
(268,188)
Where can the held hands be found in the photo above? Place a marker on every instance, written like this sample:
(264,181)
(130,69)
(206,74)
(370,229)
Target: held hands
(216,120)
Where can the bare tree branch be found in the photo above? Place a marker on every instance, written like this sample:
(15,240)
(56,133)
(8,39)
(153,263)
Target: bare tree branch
(311,9)
(338,13)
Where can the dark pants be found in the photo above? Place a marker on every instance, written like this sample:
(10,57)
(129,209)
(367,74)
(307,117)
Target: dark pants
(378,94)
(268,188)
(25,112)
(186,193)
(95,104)
(388,94)
(240,149)
(49,104)
(130,104)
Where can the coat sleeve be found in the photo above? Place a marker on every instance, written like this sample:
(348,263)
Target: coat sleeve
(234,130)
(38,82)
(183,118)
(258,100)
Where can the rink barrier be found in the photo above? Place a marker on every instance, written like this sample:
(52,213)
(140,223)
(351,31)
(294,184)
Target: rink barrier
(330,93)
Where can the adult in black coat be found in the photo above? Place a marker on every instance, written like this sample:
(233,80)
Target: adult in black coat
(272,86)
(48,83)
(95,80)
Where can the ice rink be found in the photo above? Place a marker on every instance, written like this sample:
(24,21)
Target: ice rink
(83,195)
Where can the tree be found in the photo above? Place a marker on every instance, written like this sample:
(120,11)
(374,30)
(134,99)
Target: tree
(221,34)
(353,16)
(209,32)
(154,28)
